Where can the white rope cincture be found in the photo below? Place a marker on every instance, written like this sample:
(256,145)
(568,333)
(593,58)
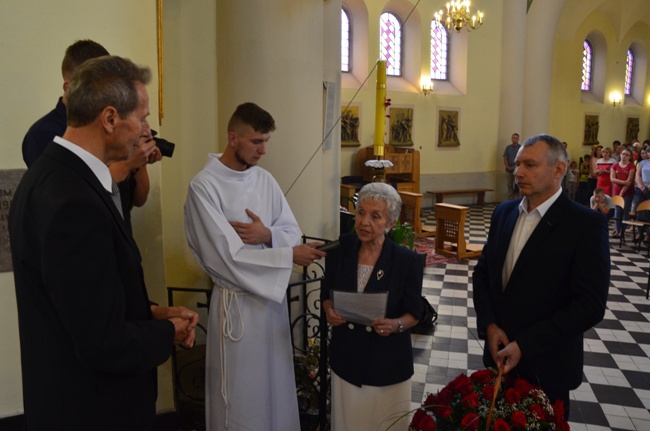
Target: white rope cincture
(228,298)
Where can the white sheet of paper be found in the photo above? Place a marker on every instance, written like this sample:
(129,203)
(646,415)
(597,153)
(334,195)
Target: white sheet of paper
(361,308)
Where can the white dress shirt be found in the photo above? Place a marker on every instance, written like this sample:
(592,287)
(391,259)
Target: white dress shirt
(526,224)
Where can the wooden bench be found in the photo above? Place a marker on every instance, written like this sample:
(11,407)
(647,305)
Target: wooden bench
(347,197)
(450,232)
(411,207)
(480,194)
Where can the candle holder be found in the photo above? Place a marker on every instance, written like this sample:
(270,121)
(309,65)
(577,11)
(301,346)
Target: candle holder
(379,166)
(379,176)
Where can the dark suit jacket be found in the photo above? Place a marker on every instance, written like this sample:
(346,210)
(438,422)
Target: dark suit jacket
(89,347)
(359,356)
(557,289)
(40,135)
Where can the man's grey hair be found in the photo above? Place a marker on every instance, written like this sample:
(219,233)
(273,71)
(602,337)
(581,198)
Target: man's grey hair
(556,154)
(386,193)
(101,82)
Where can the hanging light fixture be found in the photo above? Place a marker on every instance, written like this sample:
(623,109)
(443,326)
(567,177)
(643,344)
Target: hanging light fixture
(459,15)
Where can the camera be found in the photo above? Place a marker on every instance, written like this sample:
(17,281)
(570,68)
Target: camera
(166,148)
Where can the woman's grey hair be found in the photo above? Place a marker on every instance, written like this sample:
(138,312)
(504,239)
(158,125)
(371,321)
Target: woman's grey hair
(383,192)
(101,82)
(556,154)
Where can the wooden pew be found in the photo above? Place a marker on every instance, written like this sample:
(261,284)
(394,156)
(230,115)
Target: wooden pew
(480,194)
(347,194)
(450,232)
(411,207)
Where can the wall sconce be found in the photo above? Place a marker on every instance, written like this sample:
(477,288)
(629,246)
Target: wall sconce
(615,97)
(426,86)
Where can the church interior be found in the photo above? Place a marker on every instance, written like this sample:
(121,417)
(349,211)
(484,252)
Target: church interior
(521,71)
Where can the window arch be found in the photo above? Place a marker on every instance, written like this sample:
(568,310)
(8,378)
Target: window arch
(439,51)
(345,41)
(587,63)
(390,43)
(629,72)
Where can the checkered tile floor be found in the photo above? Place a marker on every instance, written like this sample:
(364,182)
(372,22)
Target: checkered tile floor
(615,393)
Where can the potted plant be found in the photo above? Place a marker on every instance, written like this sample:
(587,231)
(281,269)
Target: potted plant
(403,234)
(308,383)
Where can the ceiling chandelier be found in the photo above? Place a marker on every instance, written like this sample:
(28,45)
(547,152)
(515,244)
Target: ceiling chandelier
(459,15)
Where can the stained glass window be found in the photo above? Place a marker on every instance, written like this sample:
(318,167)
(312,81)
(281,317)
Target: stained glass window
(439,51)
(390,43)
(586,66)
(345,41)
(629,67)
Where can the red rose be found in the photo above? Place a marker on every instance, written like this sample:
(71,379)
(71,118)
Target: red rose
(427,424)
(482,376)
(488,392)
(523,386)
(501,425)
(558,408)
(462,384)
(512,396)
(445,396)
(417,417)
(537,410)
(466,387)
(470,422)
(518,419)
(471,400)
(442,412)
(431,400)
(459,378)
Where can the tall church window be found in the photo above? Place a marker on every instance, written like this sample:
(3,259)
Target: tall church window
(629,69)
(390,43)
(587,63)
(345,41)
(439,51)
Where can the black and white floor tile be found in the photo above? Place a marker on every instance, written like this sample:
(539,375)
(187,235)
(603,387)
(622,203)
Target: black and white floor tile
(615,393)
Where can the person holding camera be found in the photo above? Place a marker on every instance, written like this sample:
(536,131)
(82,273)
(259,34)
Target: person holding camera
(131,174)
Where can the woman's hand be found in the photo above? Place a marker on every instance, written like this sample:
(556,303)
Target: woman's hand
(331,316)
(385,327)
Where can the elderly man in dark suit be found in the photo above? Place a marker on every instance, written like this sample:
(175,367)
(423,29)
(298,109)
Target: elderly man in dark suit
(90,340)
(543,277)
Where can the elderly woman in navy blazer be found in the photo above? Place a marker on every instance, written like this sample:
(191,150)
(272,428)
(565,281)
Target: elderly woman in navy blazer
(372,365)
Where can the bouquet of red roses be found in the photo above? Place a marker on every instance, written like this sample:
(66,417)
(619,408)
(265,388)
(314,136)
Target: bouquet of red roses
(466,403)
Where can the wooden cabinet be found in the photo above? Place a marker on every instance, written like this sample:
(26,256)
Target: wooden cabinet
(405,173)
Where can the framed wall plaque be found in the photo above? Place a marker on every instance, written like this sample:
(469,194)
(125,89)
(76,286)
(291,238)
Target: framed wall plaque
(591,130)
(631,130)
(448,127)
(9,179)
(350,123)
(400,129)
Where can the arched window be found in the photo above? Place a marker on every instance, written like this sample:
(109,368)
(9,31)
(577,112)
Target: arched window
(390,43)
(439,51)
(629,68)
(345,42)
(586,66)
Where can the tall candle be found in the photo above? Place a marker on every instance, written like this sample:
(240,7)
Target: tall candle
(380,108)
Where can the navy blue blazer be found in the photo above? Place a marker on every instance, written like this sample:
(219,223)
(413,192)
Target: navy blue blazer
(359,356)
(89,347)
(557,290)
